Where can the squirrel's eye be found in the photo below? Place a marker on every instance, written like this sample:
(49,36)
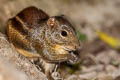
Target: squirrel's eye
(64,33)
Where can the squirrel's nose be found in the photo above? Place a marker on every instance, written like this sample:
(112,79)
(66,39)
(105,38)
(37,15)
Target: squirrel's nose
(77,46)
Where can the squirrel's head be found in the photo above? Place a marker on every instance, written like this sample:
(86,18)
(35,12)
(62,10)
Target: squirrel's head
(61,37)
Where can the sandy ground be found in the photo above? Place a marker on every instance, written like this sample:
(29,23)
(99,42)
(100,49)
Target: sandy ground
(102,62)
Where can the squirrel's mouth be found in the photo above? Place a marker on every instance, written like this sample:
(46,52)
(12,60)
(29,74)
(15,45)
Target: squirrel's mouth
(73,55)
(67,53)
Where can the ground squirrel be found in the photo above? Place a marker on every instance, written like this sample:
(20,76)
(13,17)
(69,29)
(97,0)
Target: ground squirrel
(36,35)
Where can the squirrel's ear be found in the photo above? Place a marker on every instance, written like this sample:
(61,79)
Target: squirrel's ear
(51,22)
(32,16)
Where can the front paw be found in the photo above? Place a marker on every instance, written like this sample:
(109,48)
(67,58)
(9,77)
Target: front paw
(56,76)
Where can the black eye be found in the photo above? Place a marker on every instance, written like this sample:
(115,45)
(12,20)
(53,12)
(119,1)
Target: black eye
(64,33)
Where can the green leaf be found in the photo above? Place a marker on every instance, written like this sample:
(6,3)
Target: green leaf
(81,36)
